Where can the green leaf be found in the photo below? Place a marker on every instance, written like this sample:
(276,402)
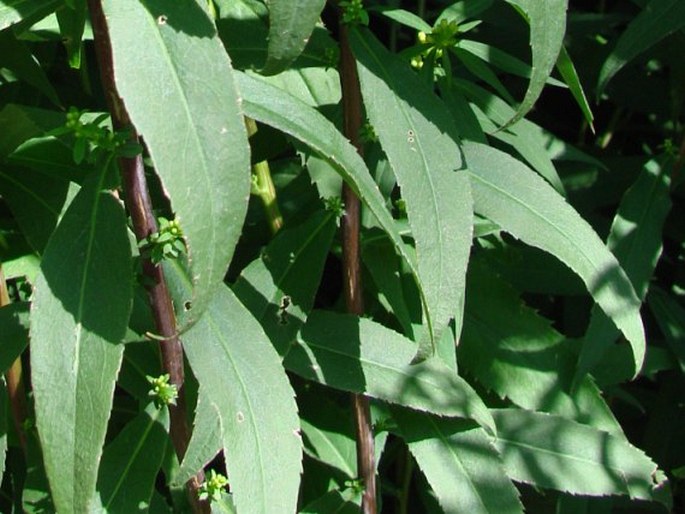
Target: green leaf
(36,200)
(241,374)
(460,463)
(658,19)
(361,356)
(419,138)
(547,22)
(278,288)
(524,136)
(14,333)
(514,352)
(404,17)
(464,10)
(291,23)
(80,310)
(72,22)
(386,272)
(16,57)
(502,60)
(273,107)
(14,11)
(328,431)
(20,124)
(205,443)
(131,461)
(635,240)
(333,502)
(555,453)
(513,196)
(570,76)
(671,319)
(192,127)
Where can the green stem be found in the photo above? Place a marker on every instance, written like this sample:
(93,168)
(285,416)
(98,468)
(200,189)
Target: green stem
(263,185)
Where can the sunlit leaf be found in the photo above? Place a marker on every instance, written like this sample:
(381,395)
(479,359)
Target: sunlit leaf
(192,127)
(514,197)
(635,240)
(80,310)
(273,107)
(419,138)
(514,352)
(460,463)
(361,356)
(555,453)
(14,11)
(547,22)
(291,22)
(241,375)
(278,288)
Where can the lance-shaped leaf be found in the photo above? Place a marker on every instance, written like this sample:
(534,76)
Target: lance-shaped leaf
(72,22)
(570,75)
(554,453)
(241,374)
(518,200)
(362,356)
(80,310)
(524,136)
(278,288)
(291,22)
(14,11)
(460,464)
(515,353)
(280,110)
(419,137)
(181,97)
(131,461)
(635,240)
(547,22)
(17,58)
(205,443)
(658,19)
